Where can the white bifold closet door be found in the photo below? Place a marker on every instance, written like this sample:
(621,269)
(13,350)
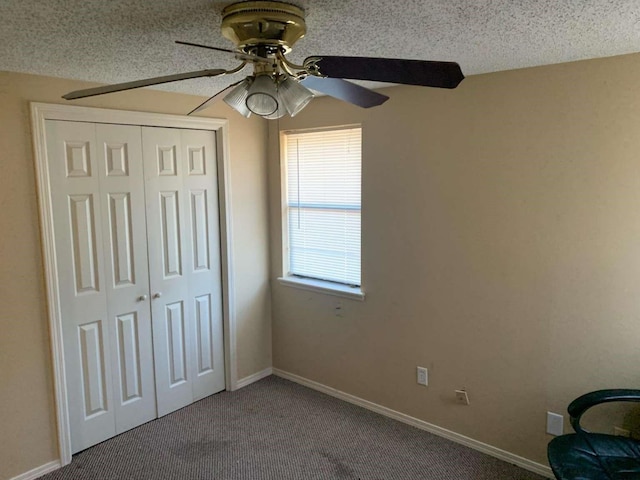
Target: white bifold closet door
(184,264)
(137,251)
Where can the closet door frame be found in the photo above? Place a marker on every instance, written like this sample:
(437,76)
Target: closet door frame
(40,112)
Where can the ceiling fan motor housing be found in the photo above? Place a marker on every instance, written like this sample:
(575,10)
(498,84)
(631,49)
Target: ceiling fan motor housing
(261,23)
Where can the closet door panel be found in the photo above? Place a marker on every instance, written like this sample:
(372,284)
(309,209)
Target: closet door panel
(126,274)
(203,270)
(76,206)
(168,250)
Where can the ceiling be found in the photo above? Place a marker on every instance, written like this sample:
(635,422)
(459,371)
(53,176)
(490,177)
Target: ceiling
(111,41)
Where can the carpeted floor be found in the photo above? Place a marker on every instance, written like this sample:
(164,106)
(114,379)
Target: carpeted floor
(276,429)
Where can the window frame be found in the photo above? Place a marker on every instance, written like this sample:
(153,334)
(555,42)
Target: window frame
(297,281)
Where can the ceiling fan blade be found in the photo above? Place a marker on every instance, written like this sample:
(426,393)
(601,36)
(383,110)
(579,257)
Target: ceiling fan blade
(205,46)
(118,87)
(214,98)
(347,91)
(238,55)
(392,70)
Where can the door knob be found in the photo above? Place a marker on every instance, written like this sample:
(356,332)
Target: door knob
(142,298)
(157,295)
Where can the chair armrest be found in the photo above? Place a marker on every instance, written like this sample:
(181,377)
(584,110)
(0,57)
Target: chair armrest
(581,404)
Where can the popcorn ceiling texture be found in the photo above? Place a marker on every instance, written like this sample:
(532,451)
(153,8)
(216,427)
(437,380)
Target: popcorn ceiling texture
(121,40)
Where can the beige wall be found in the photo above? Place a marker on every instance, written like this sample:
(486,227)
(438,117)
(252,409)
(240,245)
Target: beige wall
(501,249)
(27,418)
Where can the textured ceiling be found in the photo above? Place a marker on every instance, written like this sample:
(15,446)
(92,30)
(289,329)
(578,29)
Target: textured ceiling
(112,41)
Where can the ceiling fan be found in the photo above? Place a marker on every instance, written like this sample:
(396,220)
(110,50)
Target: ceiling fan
(264,33)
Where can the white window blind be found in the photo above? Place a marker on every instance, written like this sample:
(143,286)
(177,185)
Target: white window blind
(323,204)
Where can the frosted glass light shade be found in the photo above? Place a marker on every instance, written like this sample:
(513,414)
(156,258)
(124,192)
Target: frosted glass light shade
(294,95)
(279,113)
(262,97)
(237,98)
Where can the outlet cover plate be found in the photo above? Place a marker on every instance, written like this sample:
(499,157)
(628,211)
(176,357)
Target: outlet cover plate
(423,376)
(555,424)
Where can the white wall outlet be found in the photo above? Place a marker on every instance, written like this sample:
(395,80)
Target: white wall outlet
(462,397)
(423,376)
(555,424)
(621,432)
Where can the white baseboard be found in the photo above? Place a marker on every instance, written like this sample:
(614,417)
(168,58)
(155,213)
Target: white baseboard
(39,471)
(525,463)
(243,382)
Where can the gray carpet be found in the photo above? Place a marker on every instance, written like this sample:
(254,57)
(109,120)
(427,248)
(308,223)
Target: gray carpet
(276,429)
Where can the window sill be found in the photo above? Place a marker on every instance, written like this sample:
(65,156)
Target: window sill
(321,286)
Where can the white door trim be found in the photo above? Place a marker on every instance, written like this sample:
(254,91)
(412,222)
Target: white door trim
(40,112)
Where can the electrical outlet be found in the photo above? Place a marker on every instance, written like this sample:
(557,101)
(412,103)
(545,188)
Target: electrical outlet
(423,376)
(555,424)
(462,397)
(621,432)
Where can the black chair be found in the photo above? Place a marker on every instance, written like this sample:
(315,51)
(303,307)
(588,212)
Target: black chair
(595,456)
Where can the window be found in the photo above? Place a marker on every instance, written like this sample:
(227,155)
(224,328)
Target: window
(323,177)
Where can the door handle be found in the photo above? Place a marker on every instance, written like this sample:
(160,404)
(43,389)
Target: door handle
(157,295)
(142,298)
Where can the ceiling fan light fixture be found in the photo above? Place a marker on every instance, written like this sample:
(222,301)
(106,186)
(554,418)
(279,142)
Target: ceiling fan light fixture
(262,98)
(294,95)
(237,98)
